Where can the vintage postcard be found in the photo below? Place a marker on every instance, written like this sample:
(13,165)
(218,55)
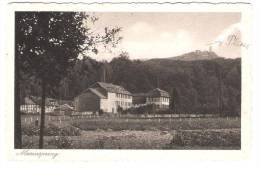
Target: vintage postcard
(91,81)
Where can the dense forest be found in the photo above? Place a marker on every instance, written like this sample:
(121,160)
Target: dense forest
(203,86)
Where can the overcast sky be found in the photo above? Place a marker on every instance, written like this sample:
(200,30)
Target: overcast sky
(160,35)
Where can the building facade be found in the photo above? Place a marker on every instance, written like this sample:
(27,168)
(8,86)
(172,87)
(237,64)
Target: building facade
(104,97)
(29,106)
(157,97)
(32,105)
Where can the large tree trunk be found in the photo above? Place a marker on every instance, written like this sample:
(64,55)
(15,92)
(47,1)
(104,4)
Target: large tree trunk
(42,115)
(17,113)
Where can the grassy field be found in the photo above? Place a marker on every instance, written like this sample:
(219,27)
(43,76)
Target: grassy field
(124,133)
(158,124)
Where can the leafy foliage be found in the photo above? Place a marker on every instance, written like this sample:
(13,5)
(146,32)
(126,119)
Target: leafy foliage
(206,138)
(61,142)
(47,45)
(51,130)
(194,86)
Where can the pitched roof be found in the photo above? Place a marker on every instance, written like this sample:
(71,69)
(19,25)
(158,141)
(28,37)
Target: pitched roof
(37,100)
(64,107)
(28,101)
(109,87)
(158,93)
(96,92)
(62,102)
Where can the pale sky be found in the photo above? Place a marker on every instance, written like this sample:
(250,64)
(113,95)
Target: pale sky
(161,35)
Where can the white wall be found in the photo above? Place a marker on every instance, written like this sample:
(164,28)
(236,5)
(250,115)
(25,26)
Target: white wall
(158,101)
(114,100)
(33,108)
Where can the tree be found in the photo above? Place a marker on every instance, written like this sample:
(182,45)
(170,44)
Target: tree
(48,45)
(174,99)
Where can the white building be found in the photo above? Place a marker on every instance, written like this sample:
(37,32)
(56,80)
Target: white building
(29,105)
(103,96)
(32,105)
(157,97)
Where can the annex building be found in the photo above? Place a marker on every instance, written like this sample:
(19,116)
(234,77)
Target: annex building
(157,97)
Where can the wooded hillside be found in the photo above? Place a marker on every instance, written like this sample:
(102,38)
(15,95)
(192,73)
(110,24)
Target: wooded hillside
(203,86)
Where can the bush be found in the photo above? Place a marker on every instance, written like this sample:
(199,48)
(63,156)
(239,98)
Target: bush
(51,130)
(207,138)
(61,142)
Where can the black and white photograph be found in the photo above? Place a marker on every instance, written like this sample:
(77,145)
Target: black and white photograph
(128,80)
(91,84)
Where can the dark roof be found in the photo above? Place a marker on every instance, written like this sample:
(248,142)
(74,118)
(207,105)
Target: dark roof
(158,93)
(64,107)
(28,101)
(109,87)
(62,102)
(48,101)
(96,92)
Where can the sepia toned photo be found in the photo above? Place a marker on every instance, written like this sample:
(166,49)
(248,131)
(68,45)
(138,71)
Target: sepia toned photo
(128,80)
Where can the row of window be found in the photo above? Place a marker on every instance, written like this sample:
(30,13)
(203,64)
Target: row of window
(119,95)
(163,99)
(123,104)
(34,107)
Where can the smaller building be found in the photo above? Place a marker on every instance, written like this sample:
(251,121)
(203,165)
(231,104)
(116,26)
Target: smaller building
(157,97)
(64,109)
(29,106)
(32,105)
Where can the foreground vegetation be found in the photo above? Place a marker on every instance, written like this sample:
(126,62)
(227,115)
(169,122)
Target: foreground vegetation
(158,124)
(126,133)
(194,139)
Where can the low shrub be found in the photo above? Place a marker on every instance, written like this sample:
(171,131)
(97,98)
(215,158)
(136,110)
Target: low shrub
(61,142)
(207,138)
(51,130)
